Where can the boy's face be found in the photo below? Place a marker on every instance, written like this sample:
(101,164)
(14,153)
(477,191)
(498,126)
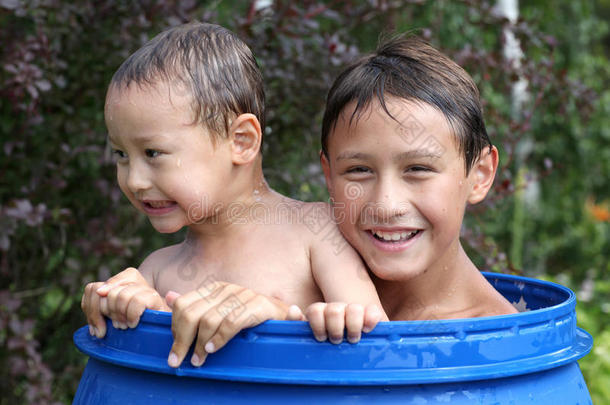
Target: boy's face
(167,167)
(399,188)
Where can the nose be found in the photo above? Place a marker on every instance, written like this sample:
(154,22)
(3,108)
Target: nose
(138,178)
(389,199)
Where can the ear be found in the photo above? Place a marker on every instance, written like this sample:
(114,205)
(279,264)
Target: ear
(245,136)
(326,169)
(482,175)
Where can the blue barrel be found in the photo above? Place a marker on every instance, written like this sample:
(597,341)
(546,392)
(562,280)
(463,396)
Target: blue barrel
(524,358)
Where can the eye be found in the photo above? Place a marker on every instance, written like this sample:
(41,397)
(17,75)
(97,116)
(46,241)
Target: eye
(417,169)
(151,153)
(358,169)
(119,154)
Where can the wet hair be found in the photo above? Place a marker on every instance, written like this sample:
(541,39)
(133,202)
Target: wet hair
(211,63)
(407,67)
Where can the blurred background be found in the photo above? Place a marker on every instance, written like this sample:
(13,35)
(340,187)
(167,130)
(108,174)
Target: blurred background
(542,68)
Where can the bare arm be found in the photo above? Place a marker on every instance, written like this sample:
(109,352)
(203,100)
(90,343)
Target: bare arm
(351,299)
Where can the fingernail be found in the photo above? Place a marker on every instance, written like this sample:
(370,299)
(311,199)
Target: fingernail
(91,332)
(172,360)
(335,341)
(195,360)
(103,288)
(353,339)
(115,324)
(294,312)
(209,347)
(366,329)
(96,332)
(320,338)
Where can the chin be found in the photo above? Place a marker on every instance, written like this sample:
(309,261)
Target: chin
(395,271)
(166,228)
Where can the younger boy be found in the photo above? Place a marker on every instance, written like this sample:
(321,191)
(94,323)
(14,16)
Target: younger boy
(184,116)
(404,127)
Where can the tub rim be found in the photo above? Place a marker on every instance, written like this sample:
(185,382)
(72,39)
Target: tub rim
(573,344)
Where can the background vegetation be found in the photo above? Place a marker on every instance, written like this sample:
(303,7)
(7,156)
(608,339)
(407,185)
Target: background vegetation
(63,221)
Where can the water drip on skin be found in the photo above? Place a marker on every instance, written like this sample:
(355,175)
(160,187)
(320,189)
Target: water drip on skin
(261,186)
(257,196)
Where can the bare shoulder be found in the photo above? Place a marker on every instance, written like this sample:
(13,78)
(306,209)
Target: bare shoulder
(313,221)
(313,224)
(318,219)
(158,260)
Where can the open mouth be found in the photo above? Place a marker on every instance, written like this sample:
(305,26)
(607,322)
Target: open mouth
(394,237)
(158,207)
(157,204)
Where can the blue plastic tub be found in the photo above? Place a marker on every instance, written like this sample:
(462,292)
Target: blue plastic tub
(525,358)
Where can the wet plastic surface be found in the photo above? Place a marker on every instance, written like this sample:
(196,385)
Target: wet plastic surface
(528,357)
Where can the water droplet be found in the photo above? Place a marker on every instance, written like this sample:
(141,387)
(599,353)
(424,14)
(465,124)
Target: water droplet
(460,335)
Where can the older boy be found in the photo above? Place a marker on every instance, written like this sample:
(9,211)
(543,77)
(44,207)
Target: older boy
(184,116)
(403,126)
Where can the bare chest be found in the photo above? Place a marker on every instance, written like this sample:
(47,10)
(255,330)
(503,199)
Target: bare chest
(267,265)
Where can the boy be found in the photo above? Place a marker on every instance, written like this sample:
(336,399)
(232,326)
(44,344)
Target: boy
(184,116)
(403,126)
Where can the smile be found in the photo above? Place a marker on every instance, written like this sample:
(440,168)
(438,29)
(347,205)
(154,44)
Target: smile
(394,236)
(159,207)
(394,240)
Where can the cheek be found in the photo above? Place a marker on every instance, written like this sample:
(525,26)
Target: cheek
(348,199)
(443,202)
(121,177)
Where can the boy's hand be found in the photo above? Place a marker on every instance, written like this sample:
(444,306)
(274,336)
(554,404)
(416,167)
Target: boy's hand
(90,304)
(331,319)
(123,298)
(214,315)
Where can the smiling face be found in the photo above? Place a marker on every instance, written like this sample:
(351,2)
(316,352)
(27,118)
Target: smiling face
(166,166)
(400,187)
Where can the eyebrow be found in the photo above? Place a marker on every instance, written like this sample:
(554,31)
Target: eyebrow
(412,154)
(143,138)
(417,153)
(353,155)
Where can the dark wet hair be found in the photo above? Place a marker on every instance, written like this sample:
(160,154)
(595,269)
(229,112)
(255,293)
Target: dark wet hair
(211,62)
(407,67)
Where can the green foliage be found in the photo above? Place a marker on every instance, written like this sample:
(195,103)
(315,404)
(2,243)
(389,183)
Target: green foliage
(63,221)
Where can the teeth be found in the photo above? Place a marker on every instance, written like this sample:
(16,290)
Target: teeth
(394,236)
(158,204)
